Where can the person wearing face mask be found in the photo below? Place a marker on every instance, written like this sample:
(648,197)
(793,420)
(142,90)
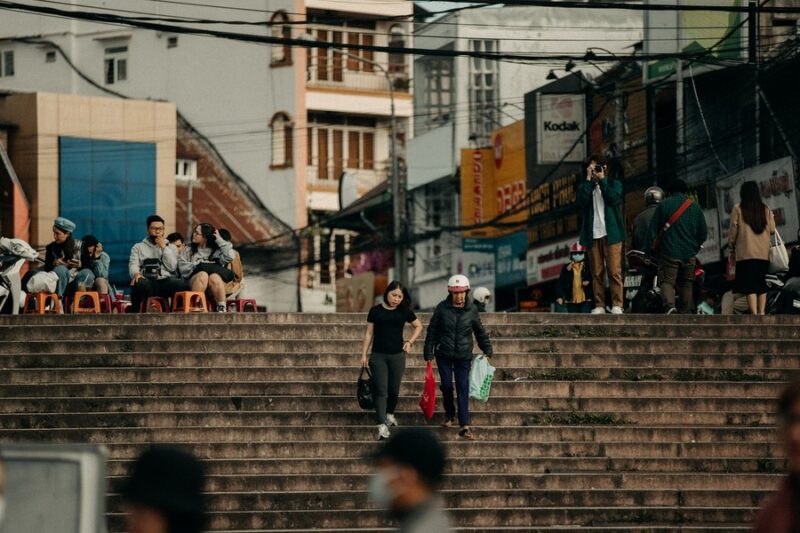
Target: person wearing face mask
(449,340)
(387,358)
(153,266)
(781,513)
(409,470)
(574,290)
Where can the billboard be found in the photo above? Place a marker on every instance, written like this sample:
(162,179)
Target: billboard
(560,123)
(510,259)
(776,182)
(493,180)
(546,262)
(673,32)
(478,264)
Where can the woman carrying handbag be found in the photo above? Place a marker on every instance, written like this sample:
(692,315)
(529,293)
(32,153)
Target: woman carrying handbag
(387,358)
(752,227)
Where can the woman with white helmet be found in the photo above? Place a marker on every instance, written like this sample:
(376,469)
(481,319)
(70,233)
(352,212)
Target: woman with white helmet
(481,297)
(449,340)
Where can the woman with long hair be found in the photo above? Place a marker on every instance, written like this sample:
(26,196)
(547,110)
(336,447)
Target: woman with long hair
(387,359)
(205,261)
(752,226)
(96,263)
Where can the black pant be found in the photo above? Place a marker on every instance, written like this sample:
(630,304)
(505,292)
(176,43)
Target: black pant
(145,288)
(459,367)
(387,374)
(672,272)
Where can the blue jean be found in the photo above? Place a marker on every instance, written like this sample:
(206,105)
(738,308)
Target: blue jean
(65,287)
(459,367)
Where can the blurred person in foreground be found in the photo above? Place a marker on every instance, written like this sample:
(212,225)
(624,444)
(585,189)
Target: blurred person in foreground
(410,466)
(164,493)
(781,512)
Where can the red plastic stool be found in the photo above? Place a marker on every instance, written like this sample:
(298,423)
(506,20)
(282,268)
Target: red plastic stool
(105,303)
(40,301)
(243,305)
(189,302)
(155,304)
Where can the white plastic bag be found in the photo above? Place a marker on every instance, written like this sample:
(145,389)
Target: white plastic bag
(43,282)
(480,378)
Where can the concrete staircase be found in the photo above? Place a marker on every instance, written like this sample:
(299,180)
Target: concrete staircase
(597,423)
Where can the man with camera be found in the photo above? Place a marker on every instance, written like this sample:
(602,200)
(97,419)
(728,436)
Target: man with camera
(603,232)
(153,266)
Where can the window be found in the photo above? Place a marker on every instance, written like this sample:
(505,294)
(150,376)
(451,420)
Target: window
(172,42)
(397,39)
(483,92)
(281,131)
(50,57)
(281,53)
(342,143)
(185,169)
(116,64)
(436,94)
(7,63)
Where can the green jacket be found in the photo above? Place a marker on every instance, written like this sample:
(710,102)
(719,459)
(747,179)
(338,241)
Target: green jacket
(615,222)
(686,236)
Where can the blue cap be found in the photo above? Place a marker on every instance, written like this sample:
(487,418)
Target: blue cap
(64,224)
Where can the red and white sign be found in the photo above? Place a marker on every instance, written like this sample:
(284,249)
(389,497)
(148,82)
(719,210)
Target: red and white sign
(477,185)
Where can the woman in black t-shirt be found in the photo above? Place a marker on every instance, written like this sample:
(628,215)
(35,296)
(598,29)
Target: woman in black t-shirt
(387,360)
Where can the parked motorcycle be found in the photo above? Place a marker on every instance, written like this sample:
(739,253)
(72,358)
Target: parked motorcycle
(647,297)
(13,254)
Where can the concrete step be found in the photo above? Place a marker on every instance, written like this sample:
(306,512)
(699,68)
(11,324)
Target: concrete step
(360,318)
(488,465)
(532,517)
(598,345)
(454,499)
(355,417)
(414,372)
(351,331)
(570,365)
(288,449)
(407,404)
(346,391)
(529,435)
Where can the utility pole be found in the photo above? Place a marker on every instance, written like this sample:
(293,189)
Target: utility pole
(680,112)
(752,49)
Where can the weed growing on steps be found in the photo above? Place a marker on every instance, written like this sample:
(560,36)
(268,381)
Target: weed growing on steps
(766,466)
(632,375)
(574,418)
(562,374)
(689,374)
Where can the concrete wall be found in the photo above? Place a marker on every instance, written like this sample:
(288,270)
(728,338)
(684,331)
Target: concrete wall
(42,118)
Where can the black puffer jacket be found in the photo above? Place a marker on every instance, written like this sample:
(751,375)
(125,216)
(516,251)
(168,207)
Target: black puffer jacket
(451,328)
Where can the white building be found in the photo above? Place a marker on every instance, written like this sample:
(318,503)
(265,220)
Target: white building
(287,121)
(459,101)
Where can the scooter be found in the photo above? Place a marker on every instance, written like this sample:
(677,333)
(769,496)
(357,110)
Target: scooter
(647,297)
(13,254)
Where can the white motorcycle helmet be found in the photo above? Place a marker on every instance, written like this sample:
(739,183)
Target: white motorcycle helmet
(458,283)
(481,295)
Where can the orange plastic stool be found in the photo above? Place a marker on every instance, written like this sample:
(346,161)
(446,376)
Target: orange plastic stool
(242,306)
(40,301)
(189,302)
(79,297)
(156,304)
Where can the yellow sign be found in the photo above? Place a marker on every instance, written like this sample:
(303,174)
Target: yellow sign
(493,182)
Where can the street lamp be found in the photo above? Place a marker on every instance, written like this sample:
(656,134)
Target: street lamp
(400,255)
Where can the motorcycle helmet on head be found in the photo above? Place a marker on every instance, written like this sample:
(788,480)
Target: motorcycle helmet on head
(458,283)
(576,248)
(653,196)
(481,295)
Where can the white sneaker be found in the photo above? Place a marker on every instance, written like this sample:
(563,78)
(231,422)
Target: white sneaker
(383,432)
(616,310)
(599,311)
(391,420)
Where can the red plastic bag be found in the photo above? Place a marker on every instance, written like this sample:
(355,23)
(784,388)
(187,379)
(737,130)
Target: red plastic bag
(427,401)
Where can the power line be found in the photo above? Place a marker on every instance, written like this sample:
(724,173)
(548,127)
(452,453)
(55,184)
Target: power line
(572,4)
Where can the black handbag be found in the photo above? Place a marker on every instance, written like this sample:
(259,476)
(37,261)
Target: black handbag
(215,268)
(364,390)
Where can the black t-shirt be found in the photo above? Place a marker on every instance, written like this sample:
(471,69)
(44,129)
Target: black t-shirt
(388,330)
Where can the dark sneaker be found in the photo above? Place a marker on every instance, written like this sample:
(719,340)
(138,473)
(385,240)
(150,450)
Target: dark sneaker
(672,311)
(449,422)
(466,434)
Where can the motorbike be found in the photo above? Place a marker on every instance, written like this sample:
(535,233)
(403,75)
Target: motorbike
(646,294)
(13,254)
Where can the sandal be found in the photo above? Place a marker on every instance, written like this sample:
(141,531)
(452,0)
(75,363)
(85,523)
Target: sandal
(466,434)
(448,422)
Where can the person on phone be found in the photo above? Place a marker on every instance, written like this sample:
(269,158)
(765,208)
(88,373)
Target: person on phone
(63,256)
(153,266)
(204,263)
(383,341)
(603,232)
(96,262)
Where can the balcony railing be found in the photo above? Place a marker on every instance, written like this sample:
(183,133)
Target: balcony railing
(365,179)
